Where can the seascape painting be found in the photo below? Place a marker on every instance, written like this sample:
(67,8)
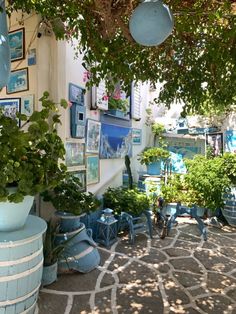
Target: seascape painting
(230,141)
(116,141)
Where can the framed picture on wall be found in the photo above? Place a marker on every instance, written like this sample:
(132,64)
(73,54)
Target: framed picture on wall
(17,44)
(136,136)
(18,81)
(76,94)
(92,164)
(10,106)
(93,136)
(27,105)
(75,154)
(215,141)
(81,175)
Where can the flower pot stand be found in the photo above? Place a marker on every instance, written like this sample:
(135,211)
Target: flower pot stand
(21,266)
(192,211)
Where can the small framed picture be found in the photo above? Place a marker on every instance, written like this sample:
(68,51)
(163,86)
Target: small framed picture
(31,57)
(93,171)
(136,136)
(75,154)
(93,136)
(215,141)
(10,107)
(17,44)
(27,105)
(81,175)
(18,81)
(76,94)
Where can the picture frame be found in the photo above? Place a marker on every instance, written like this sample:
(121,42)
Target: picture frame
(27,105)
(75,154)
(81,175)
(10,107)
(136,136)
(17,44)
(93,136)
(18,81)
(93,169)
(31,56)
(215,141)
(76,94)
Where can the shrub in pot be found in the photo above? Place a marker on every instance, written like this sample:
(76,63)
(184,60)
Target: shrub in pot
(71,202)
(29,160)
(152,158)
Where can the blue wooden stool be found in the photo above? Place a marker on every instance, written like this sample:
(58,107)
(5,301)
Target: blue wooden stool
(192,211)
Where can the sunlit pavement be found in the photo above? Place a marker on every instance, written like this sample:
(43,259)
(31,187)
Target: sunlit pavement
(180,274)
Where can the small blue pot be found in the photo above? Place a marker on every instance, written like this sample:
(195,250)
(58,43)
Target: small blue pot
(68,221)
(154,168)
(49,274)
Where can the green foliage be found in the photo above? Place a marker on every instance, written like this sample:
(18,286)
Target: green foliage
(67,196)
(196,64)
(123,199)
(120,104)
(153,154)
(52,251)
(158,129)
(30,160)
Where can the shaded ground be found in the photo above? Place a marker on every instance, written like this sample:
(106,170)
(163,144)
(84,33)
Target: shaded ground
(180,274)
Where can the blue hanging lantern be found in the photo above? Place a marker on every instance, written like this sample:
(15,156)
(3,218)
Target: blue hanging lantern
(151,23)
(5,62)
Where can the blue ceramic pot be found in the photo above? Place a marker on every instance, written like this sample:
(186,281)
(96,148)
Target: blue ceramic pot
(68,221)
(154,168)
(49,274)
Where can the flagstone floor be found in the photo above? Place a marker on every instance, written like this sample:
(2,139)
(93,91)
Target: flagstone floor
(180,274)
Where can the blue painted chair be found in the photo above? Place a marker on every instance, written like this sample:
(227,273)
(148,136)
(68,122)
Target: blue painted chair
(192,211)
(140,224)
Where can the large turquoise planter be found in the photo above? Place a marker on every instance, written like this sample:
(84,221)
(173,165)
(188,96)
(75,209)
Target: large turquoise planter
(13,215)
(229,210)
(21,265)
(154,168)
(5,62)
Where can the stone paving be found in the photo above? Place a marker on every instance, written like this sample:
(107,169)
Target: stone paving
(180,274)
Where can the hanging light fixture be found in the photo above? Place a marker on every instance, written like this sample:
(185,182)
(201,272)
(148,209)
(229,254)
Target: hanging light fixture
(151,23)
(5,62)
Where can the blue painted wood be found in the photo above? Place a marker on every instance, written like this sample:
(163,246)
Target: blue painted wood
(21,263)
(107,232)
(229,210)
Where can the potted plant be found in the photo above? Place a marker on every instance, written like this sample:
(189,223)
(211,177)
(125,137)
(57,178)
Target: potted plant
(52,251)
(153,157)
(29,161)
(71,202)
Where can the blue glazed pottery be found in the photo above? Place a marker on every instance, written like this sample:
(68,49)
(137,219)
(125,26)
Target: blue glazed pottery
(151,23)
(5,63)
(154,168)
(49,274)
(68,221)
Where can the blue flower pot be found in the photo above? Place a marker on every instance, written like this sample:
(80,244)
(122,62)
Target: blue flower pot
(68,221)
(154,168)
(49,274)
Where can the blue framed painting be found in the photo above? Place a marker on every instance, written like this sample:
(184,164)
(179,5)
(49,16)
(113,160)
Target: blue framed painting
(230,141)
(18,81)
(17,44)
(76,94)
(10,106)
(116,141)
(93,172)
(137,136)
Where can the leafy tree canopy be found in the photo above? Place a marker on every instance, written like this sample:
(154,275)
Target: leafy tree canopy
(196,64)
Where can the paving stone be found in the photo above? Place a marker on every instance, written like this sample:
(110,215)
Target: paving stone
(81,305)
(162,268)
(103,302)
(107,280)
(208,245)
(76,281)
(229,252)
(232,293)
(117,262)
(188,310)
(175,294)
(191,229)
(186,245)
(161,243)
(154,257)
(197,291)
(175,252)
(137,273)
(139,299)
(188,237)
(188,280)
(104,256)
(218,282)
(186,264)
(137,249)
(222,241)
(214,261)
(216,304)
(51,303)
